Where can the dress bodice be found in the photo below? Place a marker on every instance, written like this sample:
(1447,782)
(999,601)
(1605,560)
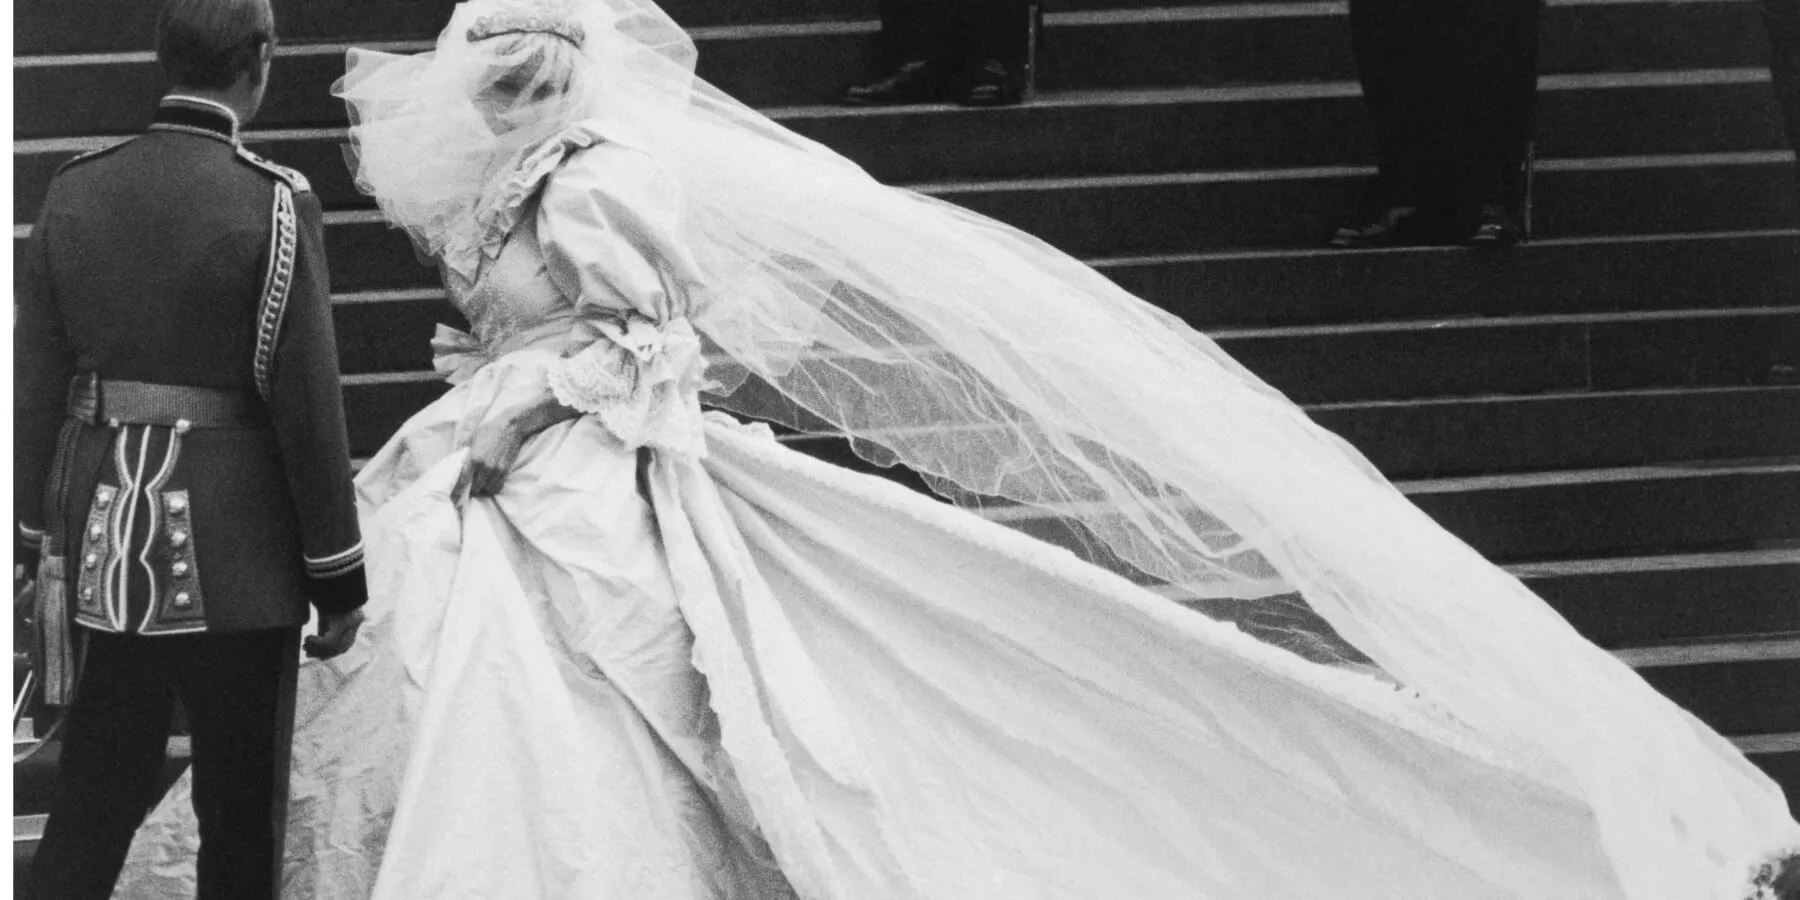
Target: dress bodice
(513,297)
(581,254)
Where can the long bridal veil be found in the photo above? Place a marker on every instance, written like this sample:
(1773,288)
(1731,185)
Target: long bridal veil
(1014,377)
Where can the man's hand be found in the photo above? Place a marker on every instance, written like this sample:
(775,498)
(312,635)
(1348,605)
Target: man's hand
(337,632)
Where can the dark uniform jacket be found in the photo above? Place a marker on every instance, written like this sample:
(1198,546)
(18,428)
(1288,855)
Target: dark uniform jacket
(173,261)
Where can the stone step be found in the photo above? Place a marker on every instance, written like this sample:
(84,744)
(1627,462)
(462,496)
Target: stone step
(1656,601)
(1324,287)
(1404,439)
(1129,132)
(1630,511)
(1625,511)
(1194,212)
(1557,276)
(1206,45)
(97,26)
(1589,514)
(1340,363)
(1187,212)
(1522,355)
(1743,698)
(1577,430)
(1312,287)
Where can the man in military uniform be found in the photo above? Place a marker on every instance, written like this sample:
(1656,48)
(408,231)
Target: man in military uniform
(181,465)
(1452,92)
(973,52)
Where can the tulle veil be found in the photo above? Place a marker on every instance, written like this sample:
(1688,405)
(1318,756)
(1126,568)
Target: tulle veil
(1016,378)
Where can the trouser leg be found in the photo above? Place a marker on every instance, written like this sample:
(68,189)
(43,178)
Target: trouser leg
(239,692)
(1492,67)
(113,750)
(913,30)
(1396,53)
(996,30)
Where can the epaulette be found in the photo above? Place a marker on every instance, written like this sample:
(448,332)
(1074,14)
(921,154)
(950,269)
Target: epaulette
(91,155)
(294,179)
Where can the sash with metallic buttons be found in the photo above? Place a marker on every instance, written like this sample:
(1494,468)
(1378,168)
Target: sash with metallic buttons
(181,607)
(168,561)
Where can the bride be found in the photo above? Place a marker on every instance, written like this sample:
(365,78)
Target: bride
(625,648)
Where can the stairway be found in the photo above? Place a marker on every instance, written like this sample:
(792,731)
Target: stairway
(1612,412)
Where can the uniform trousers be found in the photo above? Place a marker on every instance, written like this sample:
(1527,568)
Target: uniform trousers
(1451,88)
(238,692)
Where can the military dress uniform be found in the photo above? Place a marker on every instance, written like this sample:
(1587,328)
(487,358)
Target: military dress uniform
(182,465)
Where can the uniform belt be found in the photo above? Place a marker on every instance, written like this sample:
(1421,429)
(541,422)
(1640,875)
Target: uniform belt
(137,403)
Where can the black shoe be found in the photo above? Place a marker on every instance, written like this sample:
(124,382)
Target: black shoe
(991,85)
(1394,228)
(1495,229)
(914,82)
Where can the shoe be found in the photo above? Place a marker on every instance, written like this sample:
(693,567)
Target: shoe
(914,82)
(1393,228)
(1495,229)
(991,85)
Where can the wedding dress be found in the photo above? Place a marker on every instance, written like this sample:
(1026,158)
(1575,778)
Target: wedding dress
(674,659)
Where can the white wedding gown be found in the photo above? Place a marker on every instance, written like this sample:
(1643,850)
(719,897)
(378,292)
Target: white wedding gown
(674,659)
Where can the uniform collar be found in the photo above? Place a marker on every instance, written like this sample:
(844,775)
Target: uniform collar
(196,115)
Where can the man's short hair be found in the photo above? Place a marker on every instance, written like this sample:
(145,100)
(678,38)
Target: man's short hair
(209,43)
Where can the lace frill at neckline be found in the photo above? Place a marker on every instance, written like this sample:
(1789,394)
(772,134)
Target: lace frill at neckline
(498,212)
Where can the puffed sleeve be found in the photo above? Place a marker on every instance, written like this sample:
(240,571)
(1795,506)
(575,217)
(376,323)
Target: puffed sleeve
(610,221)
(610,224)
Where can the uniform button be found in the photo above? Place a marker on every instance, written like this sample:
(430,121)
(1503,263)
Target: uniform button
(182,600)
(104,500)
(92,560)
(87,593)
(178,538)
(177,505)
(181,570)
(96,532)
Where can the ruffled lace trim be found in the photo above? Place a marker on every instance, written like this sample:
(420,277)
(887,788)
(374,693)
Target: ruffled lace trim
(504,205)
(641,380)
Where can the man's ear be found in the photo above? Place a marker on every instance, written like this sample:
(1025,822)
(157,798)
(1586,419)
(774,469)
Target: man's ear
(265,54)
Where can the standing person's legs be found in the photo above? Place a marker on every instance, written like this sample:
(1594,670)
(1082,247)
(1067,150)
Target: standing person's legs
(239,692)
(1783,18)
(910,30)
(1398,55)
(992,39)
(915,55)
(113,750)
(1493,54)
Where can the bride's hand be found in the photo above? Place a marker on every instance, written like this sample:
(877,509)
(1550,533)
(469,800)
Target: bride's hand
(492,453)
(496,445)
